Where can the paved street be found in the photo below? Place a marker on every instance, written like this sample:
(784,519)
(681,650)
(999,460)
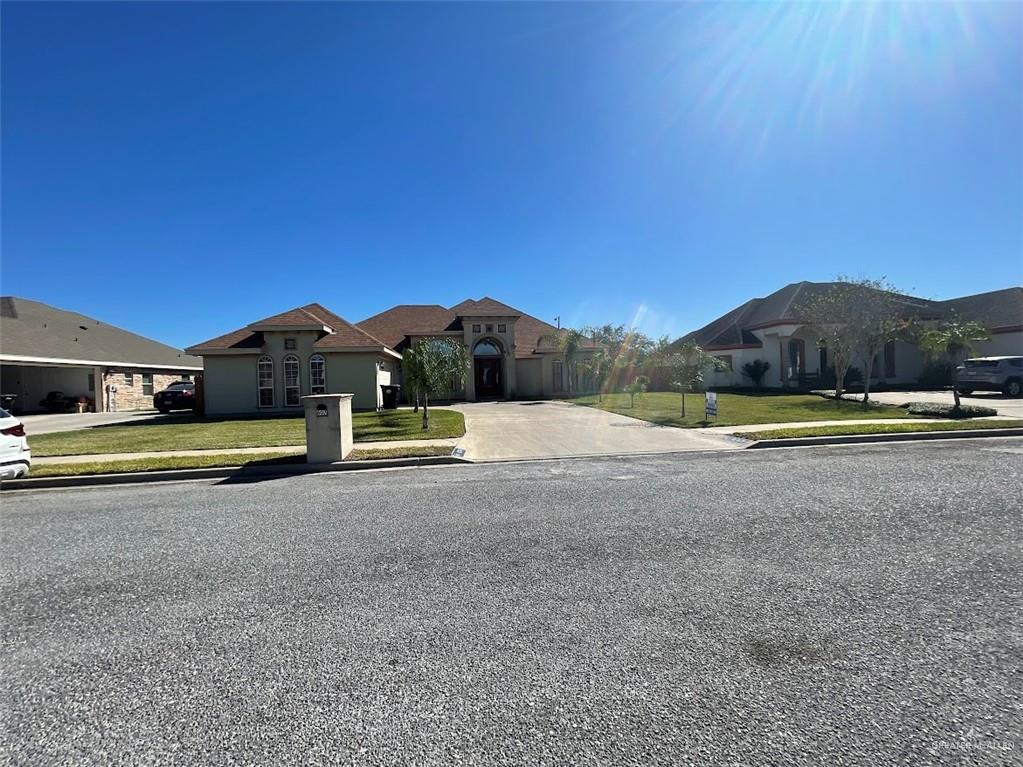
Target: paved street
(496,431)
(855,605)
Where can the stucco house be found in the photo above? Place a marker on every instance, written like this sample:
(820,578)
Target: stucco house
(44,349)
(269,365)
(771,329)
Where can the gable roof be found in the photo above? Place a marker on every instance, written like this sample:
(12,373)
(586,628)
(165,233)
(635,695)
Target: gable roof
(735,329)
(340,335)
(399,322)
(34,331)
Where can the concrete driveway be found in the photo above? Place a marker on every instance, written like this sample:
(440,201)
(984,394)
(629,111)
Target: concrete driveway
(48,423)
(1007,406)
(497,431)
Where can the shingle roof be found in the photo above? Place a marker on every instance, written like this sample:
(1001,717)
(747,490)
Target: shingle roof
(398,322)
(735,328)
(344,334)
(32,329)
(996,309)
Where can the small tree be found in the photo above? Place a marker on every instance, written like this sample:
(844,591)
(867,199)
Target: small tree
(430,365)
(831,314)
(570,345)
(954,339)
(599,366)
(638,386)
(687,363)
(756,370)
(875,320)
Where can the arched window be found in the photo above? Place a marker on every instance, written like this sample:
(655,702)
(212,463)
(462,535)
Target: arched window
(292,395)
(265,381)
(317,375)
(486,349)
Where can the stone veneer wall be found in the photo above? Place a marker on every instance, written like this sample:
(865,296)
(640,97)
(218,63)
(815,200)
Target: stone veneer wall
(130,396)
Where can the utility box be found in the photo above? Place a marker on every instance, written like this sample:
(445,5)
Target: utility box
(328,427)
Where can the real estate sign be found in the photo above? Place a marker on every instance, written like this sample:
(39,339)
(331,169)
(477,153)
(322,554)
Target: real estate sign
(711,404)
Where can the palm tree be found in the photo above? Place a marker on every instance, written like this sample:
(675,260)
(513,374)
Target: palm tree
(955,339)
(429,365)
(569,345)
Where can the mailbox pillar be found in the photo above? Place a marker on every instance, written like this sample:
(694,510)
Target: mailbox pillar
(328,427)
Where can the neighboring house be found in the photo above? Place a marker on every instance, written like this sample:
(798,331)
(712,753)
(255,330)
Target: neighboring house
(770,329)
(512,353)
(270,365)
(44,349)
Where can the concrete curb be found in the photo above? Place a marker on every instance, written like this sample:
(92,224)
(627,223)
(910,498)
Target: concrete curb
(226,472)
(904,436)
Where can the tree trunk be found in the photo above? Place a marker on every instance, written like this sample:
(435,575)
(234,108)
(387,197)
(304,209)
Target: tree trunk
(683,404)
(955,385)
(415,401)
(868,368)
(426,411)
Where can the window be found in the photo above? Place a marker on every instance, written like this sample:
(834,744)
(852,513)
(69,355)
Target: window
(289,344)
(265,377)
(502,328)
(726,360)
(486,349)
(186,377)
(92,382)
(889,360)
(477,328)
(559,375)
(292,395)
(129,379)
(490,328)
(317,375)
(147,383)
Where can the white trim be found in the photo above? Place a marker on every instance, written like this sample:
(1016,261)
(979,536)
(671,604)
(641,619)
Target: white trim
(259,383)
(286,328)
(323,373)
(18,359)
(198,351)
(298,379)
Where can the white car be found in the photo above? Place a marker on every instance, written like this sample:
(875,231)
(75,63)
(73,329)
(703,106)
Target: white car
(15,456)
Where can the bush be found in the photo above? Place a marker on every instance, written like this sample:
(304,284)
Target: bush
(935,374)
(936,410)
(852,376)
(756,370)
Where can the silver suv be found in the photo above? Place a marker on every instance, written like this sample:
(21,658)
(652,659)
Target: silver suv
(1004,374)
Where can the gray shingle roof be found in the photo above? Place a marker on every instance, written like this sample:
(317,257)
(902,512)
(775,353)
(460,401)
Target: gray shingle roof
(30,329)
(999,308)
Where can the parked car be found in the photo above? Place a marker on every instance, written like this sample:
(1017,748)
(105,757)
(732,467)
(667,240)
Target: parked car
(1004,374)
(180,395)
(15,456)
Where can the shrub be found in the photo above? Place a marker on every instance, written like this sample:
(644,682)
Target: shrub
(936,374)
(852,376)
(756,370)
(937,410)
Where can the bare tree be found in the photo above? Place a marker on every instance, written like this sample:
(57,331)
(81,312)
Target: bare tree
(832,314)
(876,320)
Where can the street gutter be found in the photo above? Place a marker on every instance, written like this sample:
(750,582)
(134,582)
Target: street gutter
(224,472)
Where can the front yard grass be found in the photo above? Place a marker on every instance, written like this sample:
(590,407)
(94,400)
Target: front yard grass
(737,409)
(191,433)
(164,463)
(880,428)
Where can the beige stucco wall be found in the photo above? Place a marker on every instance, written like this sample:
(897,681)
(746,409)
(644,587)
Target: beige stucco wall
(529,375)
(230,380)
(1002,344)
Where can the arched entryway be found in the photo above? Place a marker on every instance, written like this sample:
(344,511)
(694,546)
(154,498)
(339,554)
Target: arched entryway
(488,368)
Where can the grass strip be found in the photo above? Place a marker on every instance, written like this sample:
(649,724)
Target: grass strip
(879,428)
(164,463)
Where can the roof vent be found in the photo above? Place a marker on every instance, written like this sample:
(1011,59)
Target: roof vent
(83,327)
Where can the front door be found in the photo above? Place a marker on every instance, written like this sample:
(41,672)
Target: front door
(488,377)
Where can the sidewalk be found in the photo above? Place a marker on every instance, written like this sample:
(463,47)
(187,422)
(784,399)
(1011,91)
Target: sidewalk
(254,451)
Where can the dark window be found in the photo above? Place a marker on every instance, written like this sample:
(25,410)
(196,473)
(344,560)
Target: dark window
(486,349)
(92,382)
(477,328)
(889,360)
(147,383)
(559,376)
(186,377)
(129,379)
(502,328)
(490,328)
(289,344)
(823,360)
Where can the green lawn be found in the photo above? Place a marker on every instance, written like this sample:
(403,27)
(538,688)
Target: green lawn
(218,461)
(190,433)
(737,409)
(880,428)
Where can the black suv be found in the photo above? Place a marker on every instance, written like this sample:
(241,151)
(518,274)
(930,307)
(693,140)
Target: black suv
(180,395)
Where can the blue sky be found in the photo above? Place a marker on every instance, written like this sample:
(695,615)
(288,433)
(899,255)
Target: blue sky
(183,169)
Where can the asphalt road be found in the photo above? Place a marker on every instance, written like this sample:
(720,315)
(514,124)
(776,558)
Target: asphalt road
(855,605)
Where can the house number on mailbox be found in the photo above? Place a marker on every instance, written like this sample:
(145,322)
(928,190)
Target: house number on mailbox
(321,411)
